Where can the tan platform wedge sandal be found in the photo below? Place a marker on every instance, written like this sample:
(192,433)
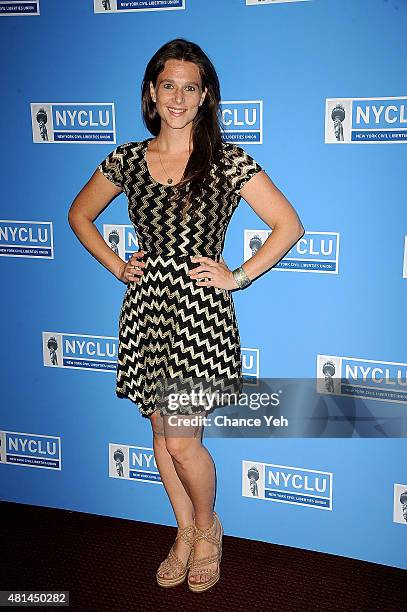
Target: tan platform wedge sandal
(172,563)
(197,567)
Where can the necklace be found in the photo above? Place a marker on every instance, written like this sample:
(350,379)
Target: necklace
(169,180)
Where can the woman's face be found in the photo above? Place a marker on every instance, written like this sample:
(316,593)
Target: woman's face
(178,93)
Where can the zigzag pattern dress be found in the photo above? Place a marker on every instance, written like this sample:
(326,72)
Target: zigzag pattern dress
(168,326)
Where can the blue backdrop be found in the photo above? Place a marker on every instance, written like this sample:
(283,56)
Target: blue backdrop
(314,91)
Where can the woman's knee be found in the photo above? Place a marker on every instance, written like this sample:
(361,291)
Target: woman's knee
(182,449)
(157,425)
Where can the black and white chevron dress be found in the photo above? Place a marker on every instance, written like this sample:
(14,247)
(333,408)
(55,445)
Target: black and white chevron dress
(170,328)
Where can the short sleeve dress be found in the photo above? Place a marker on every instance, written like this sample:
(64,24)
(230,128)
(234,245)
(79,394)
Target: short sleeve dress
(169,327)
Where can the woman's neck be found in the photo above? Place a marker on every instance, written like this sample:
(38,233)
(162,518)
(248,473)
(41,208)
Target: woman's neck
(173,142)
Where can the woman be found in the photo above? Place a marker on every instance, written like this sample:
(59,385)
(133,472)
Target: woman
(178,320)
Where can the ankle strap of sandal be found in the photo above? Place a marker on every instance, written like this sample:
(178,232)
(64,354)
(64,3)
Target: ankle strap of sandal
(186,534)
(208,534)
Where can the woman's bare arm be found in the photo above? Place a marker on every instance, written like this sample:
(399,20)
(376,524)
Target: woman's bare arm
(88,204)
(275,210)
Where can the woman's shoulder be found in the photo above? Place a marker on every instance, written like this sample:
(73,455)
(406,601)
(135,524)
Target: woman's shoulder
(236,156)
(131,146)
(230,149)
(235,153)
(240,166)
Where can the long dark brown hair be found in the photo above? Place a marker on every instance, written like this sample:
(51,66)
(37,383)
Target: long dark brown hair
(206,126)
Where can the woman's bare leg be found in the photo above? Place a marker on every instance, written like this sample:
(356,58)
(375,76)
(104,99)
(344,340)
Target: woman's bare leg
(194,467)
(196,471)
(179,499)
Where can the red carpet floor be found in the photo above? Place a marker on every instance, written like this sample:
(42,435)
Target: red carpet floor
(109,564)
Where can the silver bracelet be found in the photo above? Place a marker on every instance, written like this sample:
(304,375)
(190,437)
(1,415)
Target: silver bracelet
(241,277)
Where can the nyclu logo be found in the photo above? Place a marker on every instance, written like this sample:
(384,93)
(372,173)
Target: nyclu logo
(73,122)
(28,239)
(30,450)
(121,239)
(364,378)
(20,8)
(366,120)
(127,6)
(250,362)
(79,351)
(287,484)
(133,463)
(242,121)
(400,504)
(314,252)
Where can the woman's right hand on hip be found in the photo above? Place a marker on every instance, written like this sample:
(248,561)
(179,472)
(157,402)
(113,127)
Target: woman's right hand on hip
(132,270)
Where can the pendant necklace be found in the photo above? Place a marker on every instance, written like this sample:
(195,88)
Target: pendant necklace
(169,180)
